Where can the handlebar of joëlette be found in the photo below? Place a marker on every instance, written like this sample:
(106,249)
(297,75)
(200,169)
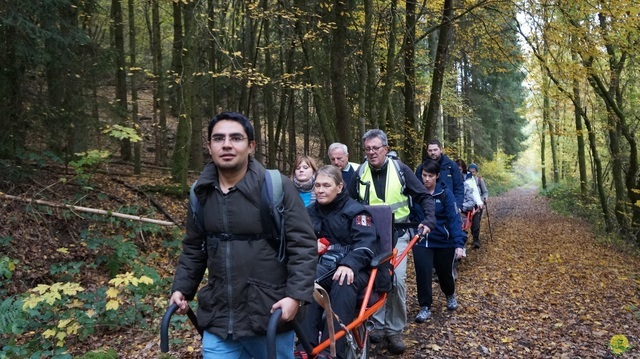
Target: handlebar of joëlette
(164,327)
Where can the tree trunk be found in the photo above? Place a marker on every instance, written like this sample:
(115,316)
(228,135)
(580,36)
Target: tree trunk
(543,159)
(175,93)
(342,115)
(159,104)
(549,125)
(368,94)
(322,108)
(133,68)
(184,135)
(268,95)
(12,135)
(212,100)
(389,72)
(121,75)
(409,134)
(582,161)
(602,194)
(438,74)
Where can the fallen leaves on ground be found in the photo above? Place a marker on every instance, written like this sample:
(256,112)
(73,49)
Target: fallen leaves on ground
(540,286)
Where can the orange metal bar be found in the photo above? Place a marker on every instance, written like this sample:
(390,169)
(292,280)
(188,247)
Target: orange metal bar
(366,312)
(406,250)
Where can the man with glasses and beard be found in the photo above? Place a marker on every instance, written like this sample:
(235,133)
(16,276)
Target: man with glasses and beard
(247,280)
(385,181)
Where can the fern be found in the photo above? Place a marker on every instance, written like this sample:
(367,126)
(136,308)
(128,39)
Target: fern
(11,316)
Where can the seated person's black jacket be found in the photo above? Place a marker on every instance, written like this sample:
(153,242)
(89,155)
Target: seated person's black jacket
(347,223)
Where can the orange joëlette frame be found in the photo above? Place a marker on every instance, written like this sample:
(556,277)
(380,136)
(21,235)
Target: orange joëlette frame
(367,311)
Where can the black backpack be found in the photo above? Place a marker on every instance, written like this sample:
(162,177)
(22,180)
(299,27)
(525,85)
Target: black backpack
(271,209)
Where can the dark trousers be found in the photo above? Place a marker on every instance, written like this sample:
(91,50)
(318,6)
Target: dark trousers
(475,226)
(425,260)
(344,299)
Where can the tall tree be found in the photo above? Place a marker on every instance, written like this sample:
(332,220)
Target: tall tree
(438,73)
(133,68)
(184,136)
(159,101)
(409,47)
(342,117)
(177,46)
(120,105)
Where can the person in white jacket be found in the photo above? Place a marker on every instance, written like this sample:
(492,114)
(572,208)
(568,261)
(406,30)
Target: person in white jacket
(472,199)
(484,194)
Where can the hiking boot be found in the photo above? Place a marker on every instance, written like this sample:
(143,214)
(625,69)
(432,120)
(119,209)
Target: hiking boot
(476,244)
(376,336)
(423,315)
(396,344)
(452,302)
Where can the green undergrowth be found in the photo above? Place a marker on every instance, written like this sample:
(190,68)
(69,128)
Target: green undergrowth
(566,199)
(110,282)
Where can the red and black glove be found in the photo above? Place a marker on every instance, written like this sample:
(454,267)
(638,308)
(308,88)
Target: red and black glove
(326,243)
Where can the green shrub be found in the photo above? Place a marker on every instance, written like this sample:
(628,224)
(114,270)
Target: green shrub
(100,354)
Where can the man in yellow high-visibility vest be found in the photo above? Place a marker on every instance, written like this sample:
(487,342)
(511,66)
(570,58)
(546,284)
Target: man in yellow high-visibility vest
(387,181)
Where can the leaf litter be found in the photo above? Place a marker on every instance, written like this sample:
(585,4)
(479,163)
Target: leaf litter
(540,286)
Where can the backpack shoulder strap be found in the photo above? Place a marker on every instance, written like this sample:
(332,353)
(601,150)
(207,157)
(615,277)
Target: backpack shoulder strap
(274,179)
(403,181)
(197,209)
(272,209)
(359,173)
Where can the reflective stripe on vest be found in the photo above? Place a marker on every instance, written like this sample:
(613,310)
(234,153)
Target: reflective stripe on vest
(394,197)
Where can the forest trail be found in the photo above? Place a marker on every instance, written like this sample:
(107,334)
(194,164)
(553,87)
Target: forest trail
(541,288)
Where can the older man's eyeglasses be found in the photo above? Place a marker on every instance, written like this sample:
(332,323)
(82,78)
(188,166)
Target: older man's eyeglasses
(372,149)
(219,139)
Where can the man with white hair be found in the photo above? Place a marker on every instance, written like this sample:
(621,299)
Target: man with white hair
(339,157)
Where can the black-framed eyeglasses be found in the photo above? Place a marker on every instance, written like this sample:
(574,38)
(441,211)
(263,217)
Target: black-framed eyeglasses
(372,149)
(219,139)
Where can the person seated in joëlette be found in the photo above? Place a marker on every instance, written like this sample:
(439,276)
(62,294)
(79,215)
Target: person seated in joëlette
(346,244)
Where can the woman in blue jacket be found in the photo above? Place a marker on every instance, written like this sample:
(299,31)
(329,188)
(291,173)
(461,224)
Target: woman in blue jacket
(440,247)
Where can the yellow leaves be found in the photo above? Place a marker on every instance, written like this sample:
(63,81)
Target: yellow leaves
(90,313)
(60,336)
(50,293)
(30,303)
(63,250)
(68,288)
(75,304)
(128,278)
(63,323)
(113,305)
(554,258)
(506,340)
(66,327)
(41,288)
(112,292)
(122,281)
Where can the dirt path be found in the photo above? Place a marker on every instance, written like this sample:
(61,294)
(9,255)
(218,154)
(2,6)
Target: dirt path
(542,288)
